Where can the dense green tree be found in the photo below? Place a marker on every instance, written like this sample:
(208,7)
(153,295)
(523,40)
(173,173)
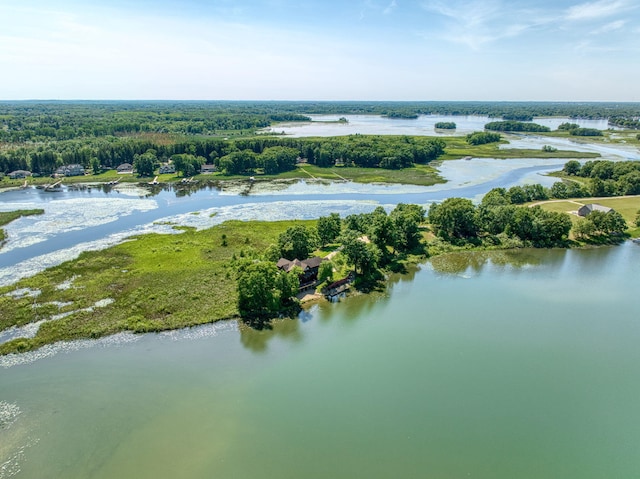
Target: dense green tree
(482,137)
(515,126)
(297,242)
(453,218)
(363,256)
(571,167)
(405,220)
(263,290)
(146,163)
(325,272)
(611,223)
(328,228)
(568,126)
(517,195)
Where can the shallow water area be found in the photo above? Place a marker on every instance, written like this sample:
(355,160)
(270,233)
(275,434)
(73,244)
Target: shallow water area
(498,367)
(424,125)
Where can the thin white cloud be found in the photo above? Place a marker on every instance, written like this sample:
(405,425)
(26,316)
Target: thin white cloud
(476,23)
(598,9)
(391,7)
(609,27)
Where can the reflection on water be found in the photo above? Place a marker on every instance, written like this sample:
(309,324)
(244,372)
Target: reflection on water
(464,262)
(257,340)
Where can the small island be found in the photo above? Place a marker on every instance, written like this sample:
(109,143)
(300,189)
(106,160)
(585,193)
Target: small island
(445,125)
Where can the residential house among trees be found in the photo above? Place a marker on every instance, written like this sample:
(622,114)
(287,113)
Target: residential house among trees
(14,175)
(167,168)
(586,209)
(207,169)
(125,168)
(70,170)
(309,269)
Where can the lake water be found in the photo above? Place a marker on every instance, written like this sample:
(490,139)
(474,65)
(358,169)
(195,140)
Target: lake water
(326,125)
(524,366)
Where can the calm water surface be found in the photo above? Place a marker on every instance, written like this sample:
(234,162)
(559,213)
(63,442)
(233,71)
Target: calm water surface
(326,125)
(523,366)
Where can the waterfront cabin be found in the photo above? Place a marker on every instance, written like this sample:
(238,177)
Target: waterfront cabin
(586,209)
(125,168)
(208,169)
(308,266)
(19,174)
(70,170)
(167,168)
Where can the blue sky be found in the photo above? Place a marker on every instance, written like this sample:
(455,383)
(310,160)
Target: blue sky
(550,50)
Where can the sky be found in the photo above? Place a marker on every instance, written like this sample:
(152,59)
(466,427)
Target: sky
(480,50)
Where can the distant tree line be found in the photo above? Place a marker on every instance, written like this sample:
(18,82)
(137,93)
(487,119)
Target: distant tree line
(631,123)
(33,121)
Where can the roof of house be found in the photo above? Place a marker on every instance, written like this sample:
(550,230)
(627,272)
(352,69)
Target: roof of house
(288,265)
(586,209)
(125,166)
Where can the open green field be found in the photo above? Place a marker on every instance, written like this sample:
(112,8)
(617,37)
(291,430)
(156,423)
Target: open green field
(627,206)
(151,283)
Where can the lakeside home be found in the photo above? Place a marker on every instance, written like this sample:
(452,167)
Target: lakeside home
(586,209)
(309,268)
(125,168)
(19,174)
(70,170)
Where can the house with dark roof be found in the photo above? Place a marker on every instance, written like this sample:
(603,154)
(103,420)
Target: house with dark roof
(309,268)
(586,209)
(14,175)
(208,169)
(167,168)
(125,168)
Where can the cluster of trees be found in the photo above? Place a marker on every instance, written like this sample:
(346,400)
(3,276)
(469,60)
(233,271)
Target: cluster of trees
(482,137)
(510,125)
(575,130)
(631,123)
(458,220)
(404,114)
(445,125)
(600,225)
(608,178)
(518,116)
(272,160)
(264,291)
(367,241)
(272,154)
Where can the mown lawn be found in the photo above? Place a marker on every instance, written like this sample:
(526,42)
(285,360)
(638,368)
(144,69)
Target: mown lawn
(628,207)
